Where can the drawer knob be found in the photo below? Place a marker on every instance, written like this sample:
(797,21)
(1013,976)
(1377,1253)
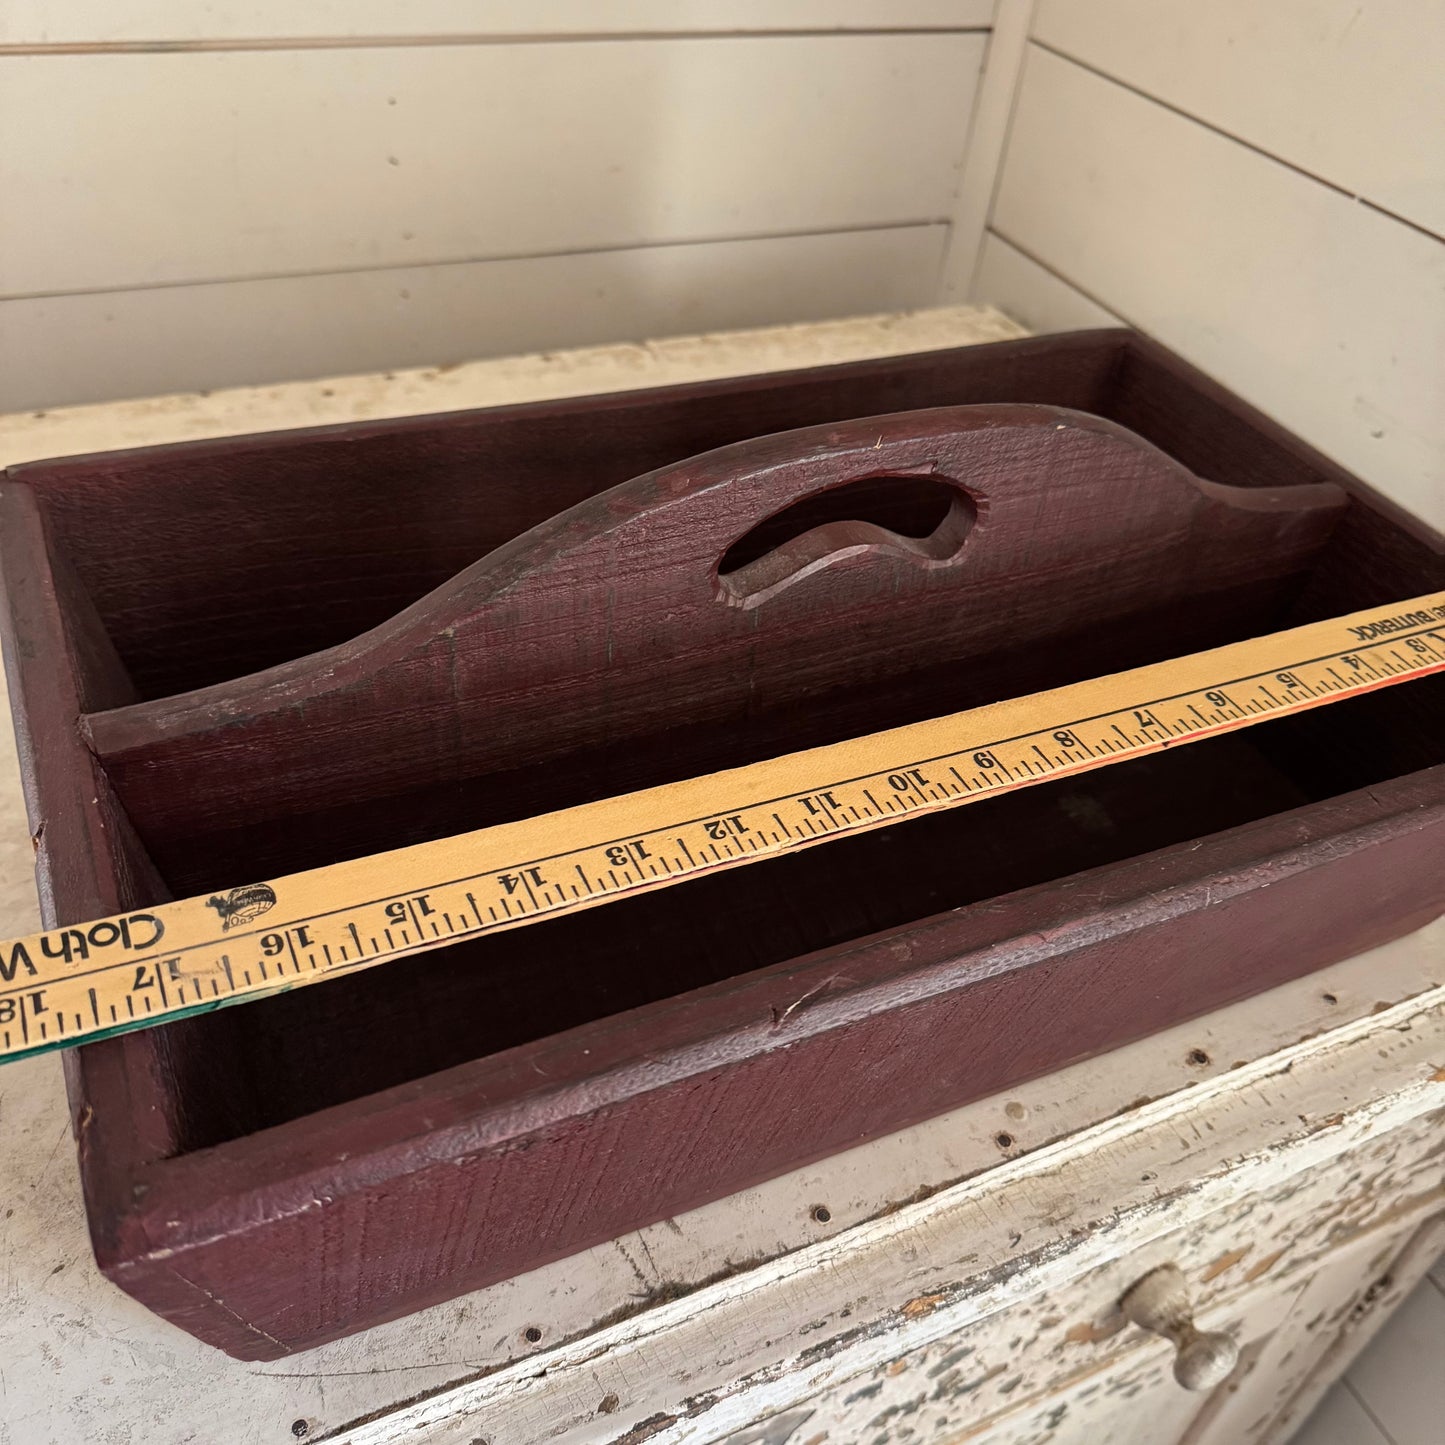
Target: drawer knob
(1160,1302)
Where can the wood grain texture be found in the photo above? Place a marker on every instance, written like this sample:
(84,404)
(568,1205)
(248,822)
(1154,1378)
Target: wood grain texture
(613,622)
(64,350)
(587,1141)
(1327,314)
(358,159)
(683,1052)
(1345,92)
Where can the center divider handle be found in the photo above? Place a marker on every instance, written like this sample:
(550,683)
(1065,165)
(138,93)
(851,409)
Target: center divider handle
(624,616)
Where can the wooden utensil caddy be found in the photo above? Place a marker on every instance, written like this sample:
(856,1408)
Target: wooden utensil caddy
(233,659)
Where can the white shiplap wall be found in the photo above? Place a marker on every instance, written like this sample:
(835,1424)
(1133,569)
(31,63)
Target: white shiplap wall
(210,195)
(1262,187)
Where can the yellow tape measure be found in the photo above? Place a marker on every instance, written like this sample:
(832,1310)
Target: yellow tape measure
(69,985)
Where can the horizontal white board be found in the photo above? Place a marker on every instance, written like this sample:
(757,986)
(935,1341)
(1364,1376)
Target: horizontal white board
(124,171)
(1353,93)
(1327,314)
(43,22)
(67,349)
(1032,294)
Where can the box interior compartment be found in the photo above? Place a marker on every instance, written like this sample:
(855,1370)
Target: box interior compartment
(277,547)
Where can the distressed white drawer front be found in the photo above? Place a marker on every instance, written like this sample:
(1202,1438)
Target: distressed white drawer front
(1281,1272)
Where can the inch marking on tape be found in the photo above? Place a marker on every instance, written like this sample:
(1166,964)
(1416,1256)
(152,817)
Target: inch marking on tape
(68,985)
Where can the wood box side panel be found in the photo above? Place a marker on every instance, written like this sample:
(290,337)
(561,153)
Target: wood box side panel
(227,1246)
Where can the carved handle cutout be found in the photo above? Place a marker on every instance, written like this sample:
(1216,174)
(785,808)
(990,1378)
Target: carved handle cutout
(921,518)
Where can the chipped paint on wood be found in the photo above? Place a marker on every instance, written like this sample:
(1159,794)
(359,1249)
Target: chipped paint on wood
(1092,1332)
(1227,1260)
(1263,1266)
(924,1305)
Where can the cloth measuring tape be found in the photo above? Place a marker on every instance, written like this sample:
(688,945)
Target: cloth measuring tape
(74,984)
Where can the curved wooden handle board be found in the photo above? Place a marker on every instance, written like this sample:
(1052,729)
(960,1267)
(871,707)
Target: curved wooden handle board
(612,622)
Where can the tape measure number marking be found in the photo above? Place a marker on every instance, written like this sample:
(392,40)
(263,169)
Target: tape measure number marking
(68,985)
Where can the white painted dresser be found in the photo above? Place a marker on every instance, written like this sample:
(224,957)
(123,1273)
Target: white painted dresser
(957,1281)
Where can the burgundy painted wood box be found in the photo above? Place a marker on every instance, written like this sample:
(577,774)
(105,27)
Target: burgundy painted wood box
(233,659)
